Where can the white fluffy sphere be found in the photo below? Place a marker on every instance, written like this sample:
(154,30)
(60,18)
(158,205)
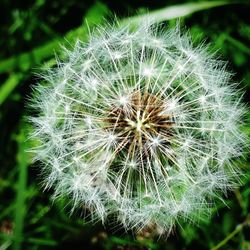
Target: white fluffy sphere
(140,125)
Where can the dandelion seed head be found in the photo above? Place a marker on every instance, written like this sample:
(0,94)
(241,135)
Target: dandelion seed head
(141,125)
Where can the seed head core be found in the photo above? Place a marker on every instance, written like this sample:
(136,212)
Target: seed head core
(140,121)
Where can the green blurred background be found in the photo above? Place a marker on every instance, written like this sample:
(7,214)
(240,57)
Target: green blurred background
(31,32)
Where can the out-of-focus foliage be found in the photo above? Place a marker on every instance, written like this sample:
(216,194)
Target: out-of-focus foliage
(31,32)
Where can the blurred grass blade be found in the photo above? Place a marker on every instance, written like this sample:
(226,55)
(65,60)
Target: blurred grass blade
(238,44)
(177,11)
(9,86)
(42,242)
(20,206)
(5,245)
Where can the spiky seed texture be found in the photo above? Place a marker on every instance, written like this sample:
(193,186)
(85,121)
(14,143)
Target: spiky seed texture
(140,125)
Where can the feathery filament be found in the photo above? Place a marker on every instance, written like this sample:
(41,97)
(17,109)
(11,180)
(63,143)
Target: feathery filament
(139,124)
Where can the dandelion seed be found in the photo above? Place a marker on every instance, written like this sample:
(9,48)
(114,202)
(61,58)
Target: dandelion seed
(141,125)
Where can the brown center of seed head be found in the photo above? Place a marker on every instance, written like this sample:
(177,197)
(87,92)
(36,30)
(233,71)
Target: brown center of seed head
(140,123)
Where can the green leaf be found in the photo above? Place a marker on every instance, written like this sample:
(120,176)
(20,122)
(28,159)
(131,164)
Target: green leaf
(9,86)
(20,204)
(177,11)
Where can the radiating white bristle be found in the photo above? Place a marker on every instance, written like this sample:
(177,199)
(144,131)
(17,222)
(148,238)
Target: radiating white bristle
(172,172)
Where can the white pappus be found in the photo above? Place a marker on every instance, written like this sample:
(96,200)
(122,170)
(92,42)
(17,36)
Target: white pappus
(139,124)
